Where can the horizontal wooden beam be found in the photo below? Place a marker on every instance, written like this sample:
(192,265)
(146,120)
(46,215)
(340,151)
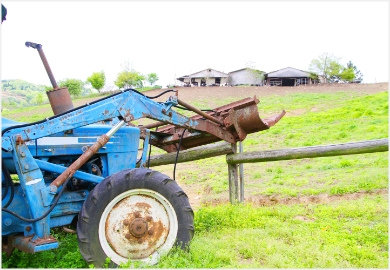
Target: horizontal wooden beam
(381,145)
(196,153)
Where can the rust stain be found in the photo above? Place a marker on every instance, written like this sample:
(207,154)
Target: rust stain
(143,205)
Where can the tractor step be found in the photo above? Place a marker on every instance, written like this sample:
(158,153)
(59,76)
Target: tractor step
(28,244)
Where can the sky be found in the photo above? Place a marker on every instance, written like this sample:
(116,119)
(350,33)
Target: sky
(177,38)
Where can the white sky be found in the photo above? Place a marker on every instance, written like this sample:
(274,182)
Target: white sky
(176,38)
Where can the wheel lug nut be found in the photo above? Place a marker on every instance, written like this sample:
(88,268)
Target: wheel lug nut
(126,222)
(149,218)
(137,214)
(139,241)
(128,236)
(150,232)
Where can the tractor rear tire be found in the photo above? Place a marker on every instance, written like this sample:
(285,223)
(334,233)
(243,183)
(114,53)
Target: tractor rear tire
(136,215)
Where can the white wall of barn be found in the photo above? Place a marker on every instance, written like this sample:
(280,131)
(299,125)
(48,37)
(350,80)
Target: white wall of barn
(244,77)
(210,81)
(224,80)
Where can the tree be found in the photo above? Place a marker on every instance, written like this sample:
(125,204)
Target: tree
(347,75)
(97,80)
(39,98)
(358,75)
(326,65)
(127,79)
(74,86)
(335,70)
(152,78)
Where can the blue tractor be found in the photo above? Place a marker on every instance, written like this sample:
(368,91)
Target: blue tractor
(86,166)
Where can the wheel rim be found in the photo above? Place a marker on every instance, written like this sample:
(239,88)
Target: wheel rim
(139,224)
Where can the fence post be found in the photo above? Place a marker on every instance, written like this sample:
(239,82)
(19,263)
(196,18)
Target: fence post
(233,179)
(241,166)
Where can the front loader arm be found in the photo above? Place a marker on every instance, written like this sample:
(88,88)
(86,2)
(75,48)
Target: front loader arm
(128,105)
(237,120)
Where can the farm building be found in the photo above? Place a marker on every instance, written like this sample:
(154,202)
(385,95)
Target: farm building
(207,77)
(246,76)
(287,77)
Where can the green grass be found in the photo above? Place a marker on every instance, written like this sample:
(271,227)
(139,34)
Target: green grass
(340,234)
(66,256)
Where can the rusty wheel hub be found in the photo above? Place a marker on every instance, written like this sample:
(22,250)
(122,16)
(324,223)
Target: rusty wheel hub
(138,227)
(139,224)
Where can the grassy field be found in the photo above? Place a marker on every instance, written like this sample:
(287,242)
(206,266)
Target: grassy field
(310,213)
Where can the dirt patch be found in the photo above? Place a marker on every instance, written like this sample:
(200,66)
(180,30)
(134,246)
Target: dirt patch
(189,94)
(263,200)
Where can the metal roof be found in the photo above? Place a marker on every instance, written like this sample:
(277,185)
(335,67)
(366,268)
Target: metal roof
(207,73)
(287,72)
(237,70)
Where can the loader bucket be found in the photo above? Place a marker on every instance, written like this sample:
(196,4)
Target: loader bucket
(239,119)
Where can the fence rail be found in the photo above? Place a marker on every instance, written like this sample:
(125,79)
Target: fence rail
(351,148)
(234,159)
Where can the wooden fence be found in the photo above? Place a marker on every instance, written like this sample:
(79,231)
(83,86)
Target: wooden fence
(235,160)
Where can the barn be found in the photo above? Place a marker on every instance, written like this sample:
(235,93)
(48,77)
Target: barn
(207,77)
(287,77)
(246,76)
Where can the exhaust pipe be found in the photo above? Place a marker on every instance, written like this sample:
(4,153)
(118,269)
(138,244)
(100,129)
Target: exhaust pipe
(59,98)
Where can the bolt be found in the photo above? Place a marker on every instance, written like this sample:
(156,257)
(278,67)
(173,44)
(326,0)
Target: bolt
(150,232)
(163,111)
(7,222)
(139,241)
(149,218)
(126,222)
(26,167)
(28,228)
(137,214)
(6,139)
(170,114)
(128,236)
(22,154)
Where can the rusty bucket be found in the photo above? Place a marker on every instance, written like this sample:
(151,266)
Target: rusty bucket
(60,100)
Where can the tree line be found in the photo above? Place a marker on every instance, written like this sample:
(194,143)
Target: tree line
(18,93)
(328,69)
(126,79)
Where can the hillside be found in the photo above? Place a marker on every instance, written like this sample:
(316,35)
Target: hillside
(199,97)
(327,212)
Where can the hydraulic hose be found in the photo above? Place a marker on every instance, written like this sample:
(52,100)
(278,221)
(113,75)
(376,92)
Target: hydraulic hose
(44,215)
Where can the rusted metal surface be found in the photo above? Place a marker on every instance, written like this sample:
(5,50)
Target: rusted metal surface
(238,118)
(101,141)
(25,243)
(19,140)
(60,100)
(154,125)
(205,115)
(273,120)
(136,227)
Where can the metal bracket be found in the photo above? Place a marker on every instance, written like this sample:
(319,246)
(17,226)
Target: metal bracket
(6,144)
(145,149)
